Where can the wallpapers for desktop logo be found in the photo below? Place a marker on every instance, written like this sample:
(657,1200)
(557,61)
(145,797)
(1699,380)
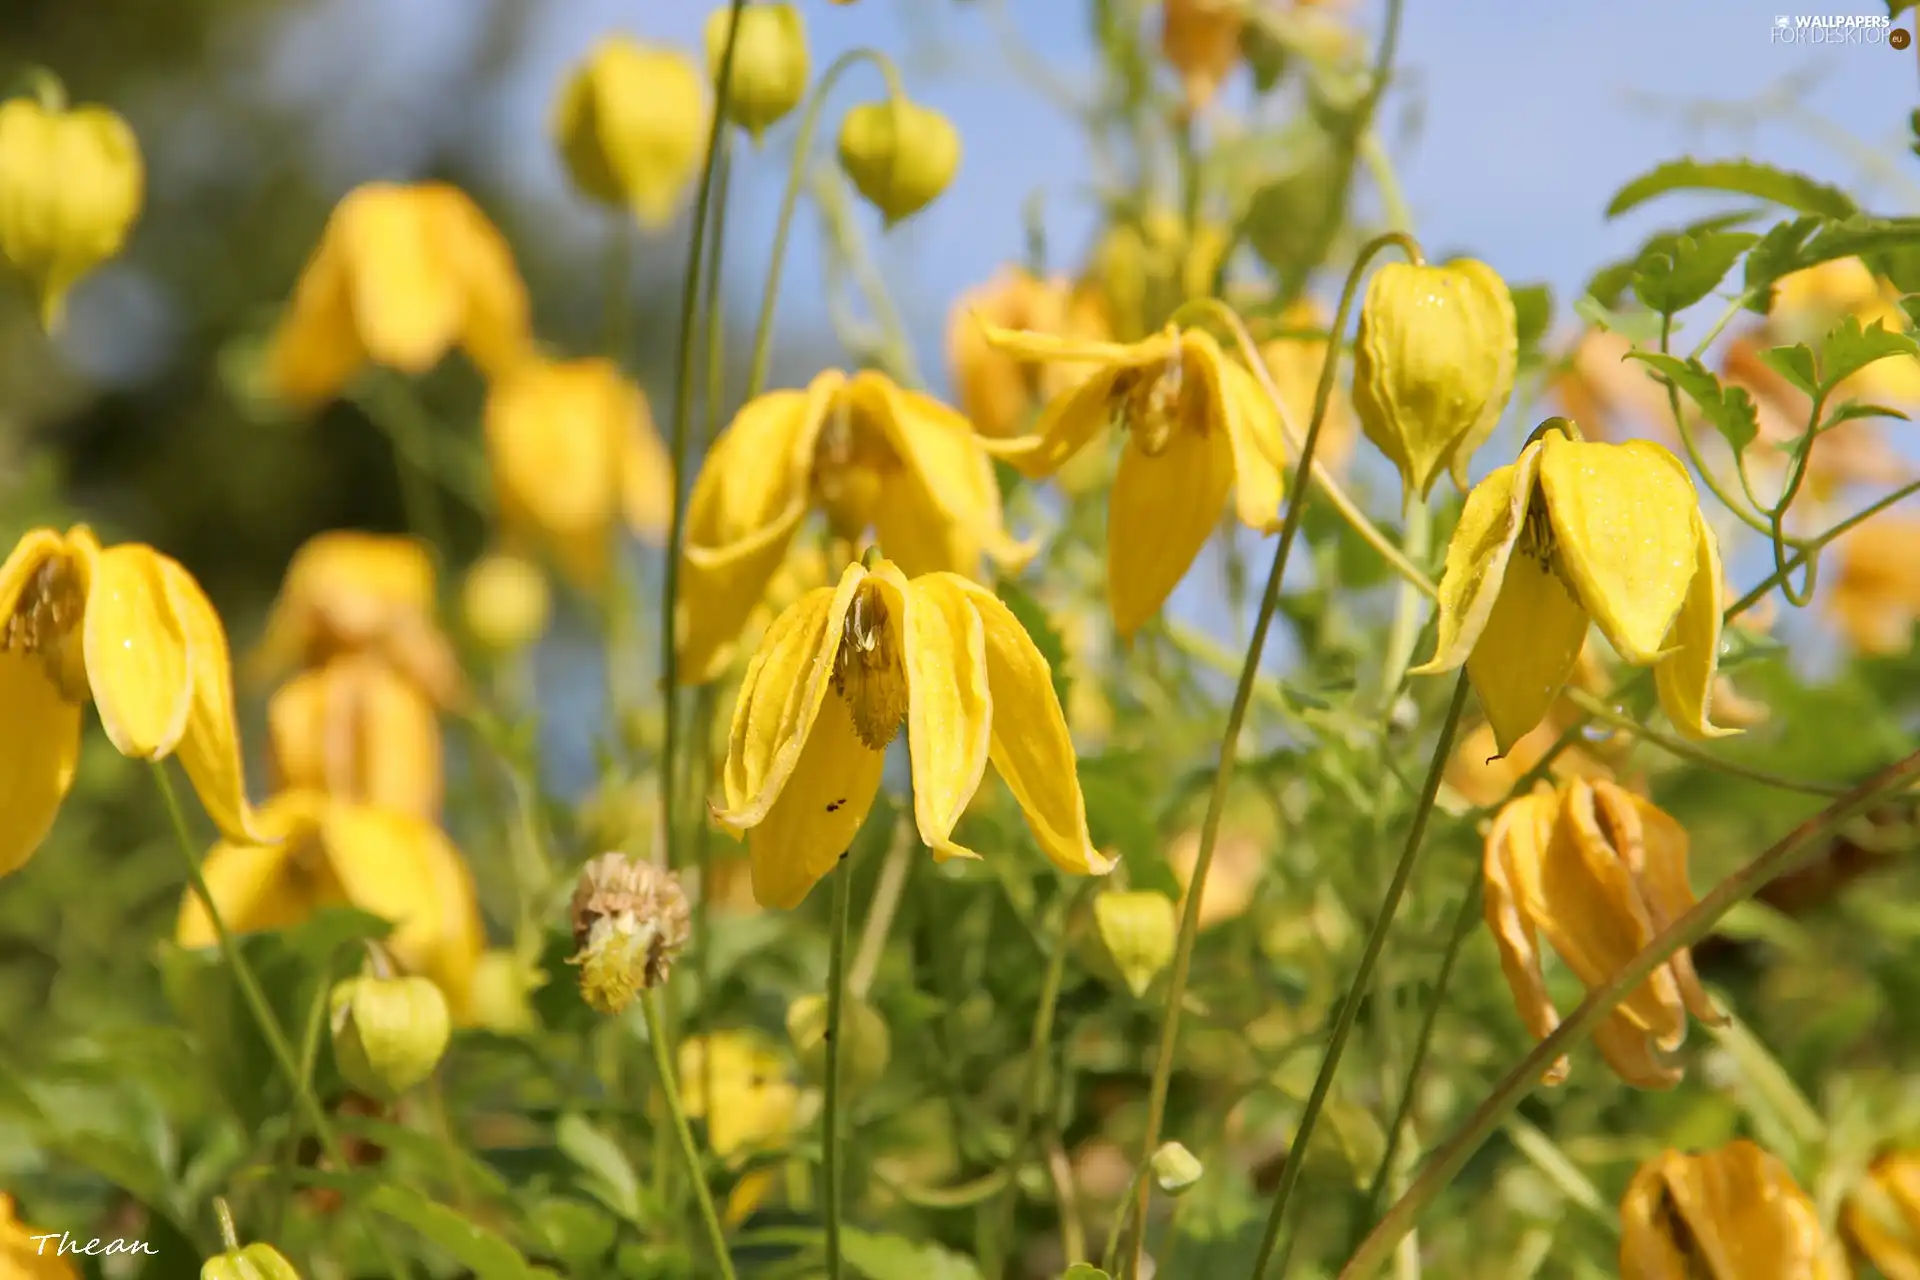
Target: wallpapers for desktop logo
(1838,29)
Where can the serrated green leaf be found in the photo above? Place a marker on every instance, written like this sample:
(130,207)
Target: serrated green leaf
(487,1255)
(1795,364)
(878,1257)
(1682,270)
(1729,409)
(1635,326)
(1744,177)
(1849,349)
(1046,637)
(1807,242)
(1532,313)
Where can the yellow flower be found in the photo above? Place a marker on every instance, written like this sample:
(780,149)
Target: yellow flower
(1141,270)
(1875,596)
(573,448)
(872,456)
(131,630)
(22,1257)
(402,274)
(1294,364)
(899,155)
(1888,1233)
(828,689)
(753,1102)
(998,391)
(337,852)
(1571,533)
(357,729)
(70,187)
(505,602)
(1198,429)
(1599,871)
(770,63)
(1239,858)
(1733,1213)
(631,125)
(1200,39)
(1808,303)
(347,592)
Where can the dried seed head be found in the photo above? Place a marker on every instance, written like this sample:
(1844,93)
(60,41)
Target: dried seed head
(630,920)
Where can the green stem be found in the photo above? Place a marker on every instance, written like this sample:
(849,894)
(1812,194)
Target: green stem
(1796,476)
(830,1112)
(1230,738)
(670,1089)
(1684,750)
(715,299)
(790,200)
(1813,546)
(258,1005)
(881,910)
(411,436)
(1357,989)
(1695,924)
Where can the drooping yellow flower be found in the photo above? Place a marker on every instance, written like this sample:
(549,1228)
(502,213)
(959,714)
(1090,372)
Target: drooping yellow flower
(1875,595)
(1571,533)
(872,456)
(337,852)
(70,187)
(1734,1213)
(1600,871)
(22,1256)
(1200,39)
(770,63)
(997,390)
(830,686)
(359,730)
(753,1101)
(347,592)
(130,630)
(1198,429)
(898,154)
(631,124)
(1886,1225)
(403,273)
(1294,364)
(573,449)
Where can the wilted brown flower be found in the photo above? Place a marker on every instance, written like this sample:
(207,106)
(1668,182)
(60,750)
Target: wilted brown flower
(630,920)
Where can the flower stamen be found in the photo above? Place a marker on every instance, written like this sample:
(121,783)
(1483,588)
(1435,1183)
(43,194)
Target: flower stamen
(46,624)
(869,672)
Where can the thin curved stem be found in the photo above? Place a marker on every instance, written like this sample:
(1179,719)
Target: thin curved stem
(1230,740)
(1684,750)
(696,1173)
(830,1111)
(1813,546)
(1357,989)
(1695,924)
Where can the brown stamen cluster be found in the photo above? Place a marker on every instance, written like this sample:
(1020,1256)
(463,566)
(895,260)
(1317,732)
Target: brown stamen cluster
(869,672)
(630,921)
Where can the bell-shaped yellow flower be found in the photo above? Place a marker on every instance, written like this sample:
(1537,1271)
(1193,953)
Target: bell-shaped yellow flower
(869,453)
(357,729)
(1200,39)
(573,450)
(997,390)
(899,155)
(1571,533)
(1734,1213)
(1875,595)
(336,852)
(753,1103)
(131,630)
(631,124)
(1886,1229)
(1198,429)
(347,593)
(830,686)
(1600,871)
(70,187)
(402,274)
(770,63)
(23,1255)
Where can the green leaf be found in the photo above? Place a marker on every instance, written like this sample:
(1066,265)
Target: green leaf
(879,1257)
(1849,349)
(487,1255)
(1806,242)
(1853,409)
(1635,326)
(1084,1271)
(609,1178)
(1046,637)
(1532,313)
(1729,409)
(1775,256)
(1679,271)
(1795,364)
(1744,177)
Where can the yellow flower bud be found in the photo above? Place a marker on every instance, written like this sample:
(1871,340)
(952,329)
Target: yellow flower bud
(255,1262)
(388,1033)
(1200,39)
(899,156)
(1433,365)
(866,1045)
(770,63)
(1138,930)
(505,602)
(499,998)
(70,187)
(631,125)
(1175,1169)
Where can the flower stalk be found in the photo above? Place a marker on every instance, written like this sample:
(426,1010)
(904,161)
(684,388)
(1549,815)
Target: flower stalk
(670,1089)
(830,1112)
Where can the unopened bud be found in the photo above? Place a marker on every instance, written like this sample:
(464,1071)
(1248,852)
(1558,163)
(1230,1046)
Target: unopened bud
(505,602)
(1175,1168)
(1139,930)
(899,156)
(255,1262)
(866,1046)
(499,999)
(770,62)
(631,125)
(388,1033)
(1433,366)
(630,920)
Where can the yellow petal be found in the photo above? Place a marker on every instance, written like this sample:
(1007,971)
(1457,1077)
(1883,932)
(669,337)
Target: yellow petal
(264,886)
(1528,647)
(316,349)
(1161,512)
(1685,676)
(1746,1215)
(1648,1250)
(1664,885)
(551,430)
(38,753)
(136,653)
(1516,845)
(1634,1053)
(1477,559)
(1030,345)
(1253,431)
(497,327)
(1031,747)
(788,679)
(819,808)
(210,747)
(1624,518)
(407,306)
(358,730)
(35,548)
(949,705)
